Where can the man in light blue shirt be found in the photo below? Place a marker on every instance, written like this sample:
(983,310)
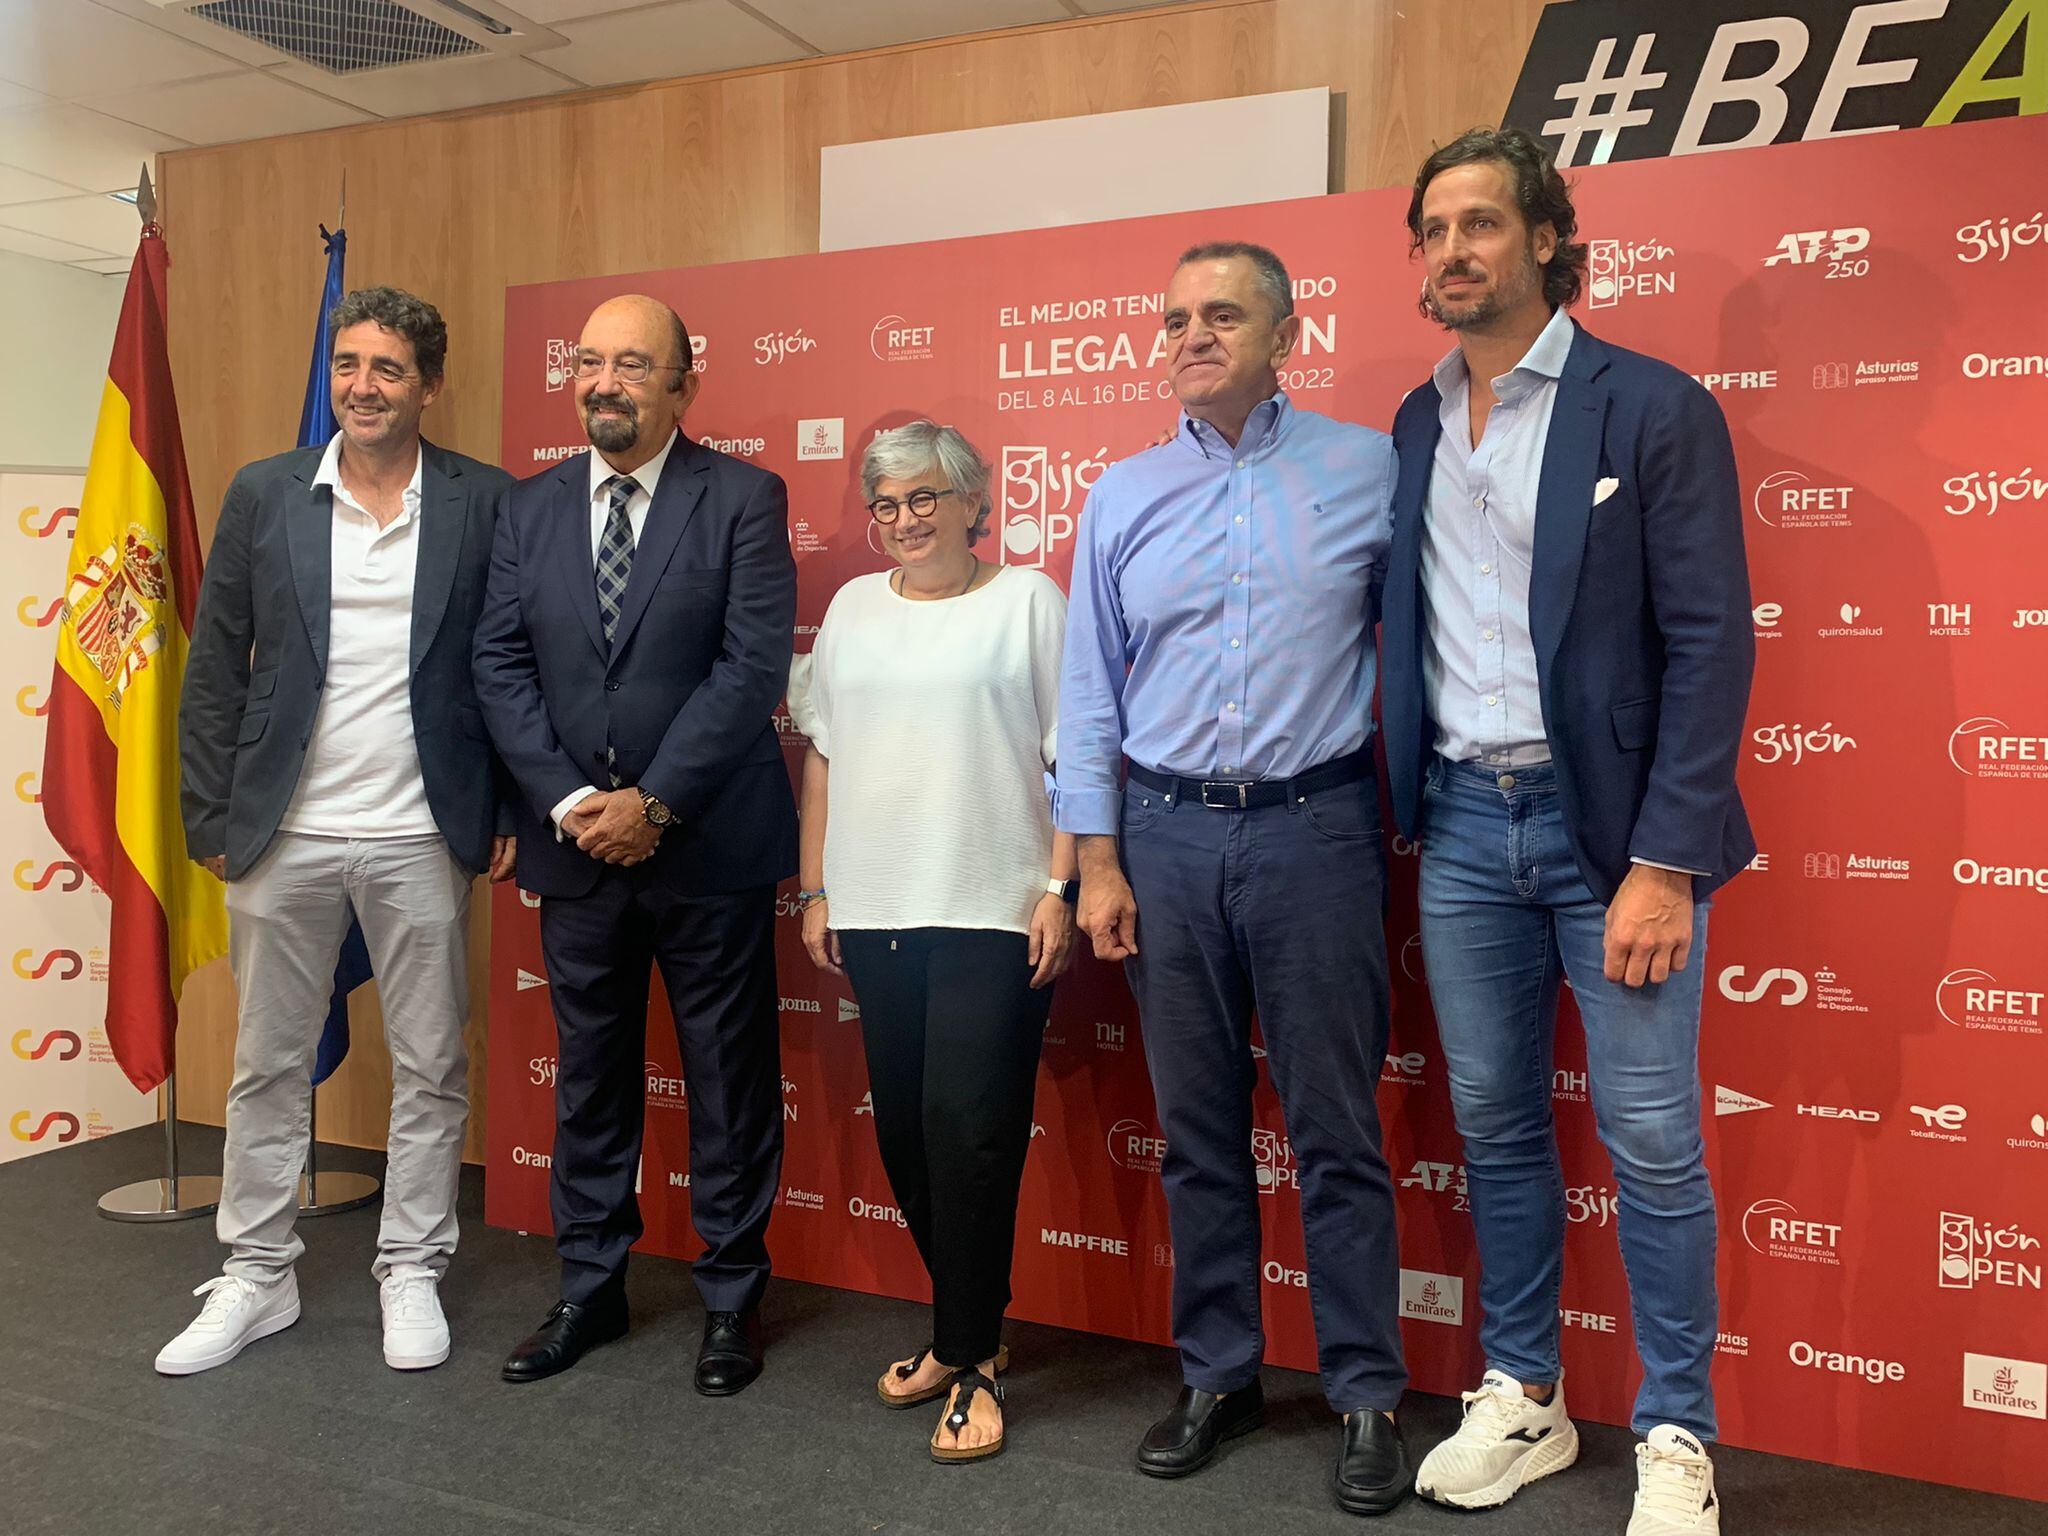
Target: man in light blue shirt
(1220,641)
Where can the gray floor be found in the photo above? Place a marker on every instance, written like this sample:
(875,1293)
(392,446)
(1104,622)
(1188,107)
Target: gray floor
(310,1433)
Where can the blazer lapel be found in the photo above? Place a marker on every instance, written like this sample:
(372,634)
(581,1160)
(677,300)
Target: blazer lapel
(676,496)
(309,536)
(1416,447)
(1564,495)
(443,525)
(574,556)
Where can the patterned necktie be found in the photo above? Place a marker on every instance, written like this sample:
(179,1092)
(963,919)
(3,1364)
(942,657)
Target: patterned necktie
(614,552)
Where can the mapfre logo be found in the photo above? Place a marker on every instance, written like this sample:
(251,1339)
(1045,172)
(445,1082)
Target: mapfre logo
(1618,270)
(1137,1146)
(1790,498)
(1041,499)
(1976,1253)
(1775,1229)
(62,520)
(1838,253)
(1971,998)
(1986,747)
(1790,986)
(780,346)
(894,339)
(1084,1242)
(34,1045)
(60,875)
(1996,239)
(1995,1384)
(1794,744)
(52,965)
(58,1125)
(1989,491)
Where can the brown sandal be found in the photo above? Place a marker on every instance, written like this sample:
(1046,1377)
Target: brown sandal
(908,1369)
(969,1382)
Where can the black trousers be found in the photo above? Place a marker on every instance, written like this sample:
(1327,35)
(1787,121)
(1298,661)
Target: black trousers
(953,1029)
(717,961)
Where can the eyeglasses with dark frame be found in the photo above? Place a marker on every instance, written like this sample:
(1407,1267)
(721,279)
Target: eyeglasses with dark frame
(922,502)
(627,370)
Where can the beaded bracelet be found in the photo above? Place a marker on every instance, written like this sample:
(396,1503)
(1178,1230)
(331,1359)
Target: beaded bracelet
(805,900)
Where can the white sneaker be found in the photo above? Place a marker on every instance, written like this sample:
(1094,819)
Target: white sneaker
(237,1312)
(1507,1439)
(1674,1486)
(415,1332)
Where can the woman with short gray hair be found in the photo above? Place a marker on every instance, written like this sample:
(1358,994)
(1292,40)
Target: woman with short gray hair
(931,700)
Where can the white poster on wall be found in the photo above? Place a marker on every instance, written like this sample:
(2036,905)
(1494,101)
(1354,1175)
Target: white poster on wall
(58,1080)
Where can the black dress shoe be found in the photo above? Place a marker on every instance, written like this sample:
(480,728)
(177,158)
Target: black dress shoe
(730,1356)
(561,1341)
(1373,1474)
(1199,1422)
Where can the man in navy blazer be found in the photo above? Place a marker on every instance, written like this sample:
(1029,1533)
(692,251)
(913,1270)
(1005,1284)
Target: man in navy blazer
(635,644)
(333,759)
(1568,652)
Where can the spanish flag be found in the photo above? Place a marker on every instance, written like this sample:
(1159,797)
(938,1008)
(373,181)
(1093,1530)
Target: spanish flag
(110,768)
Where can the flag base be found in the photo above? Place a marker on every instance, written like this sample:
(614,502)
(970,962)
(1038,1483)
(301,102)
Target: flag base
(328,1194)
(172,1199)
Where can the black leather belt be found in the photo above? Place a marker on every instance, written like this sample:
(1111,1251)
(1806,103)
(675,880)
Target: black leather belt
(1250,794)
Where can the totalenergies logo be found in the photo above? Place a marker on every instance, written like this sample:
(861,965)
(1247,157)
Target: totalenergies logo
(30,1046)
(29,704)
(61,873)
(60,520)
(27,611)
(55,1125)
(62,964)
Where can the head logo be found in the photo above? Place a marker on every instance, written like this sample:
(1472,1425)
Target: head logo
(1735,990)
(1971,998)
(1789,499)
(895,340)
(62,873)
(66,964)
(61,520)
(1038,508)
(59,1124)
(66,1044)
(1984,748)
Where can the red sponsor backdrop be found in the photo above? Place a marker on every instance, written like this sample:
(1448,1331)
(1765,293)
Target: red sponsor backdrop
(1871,315)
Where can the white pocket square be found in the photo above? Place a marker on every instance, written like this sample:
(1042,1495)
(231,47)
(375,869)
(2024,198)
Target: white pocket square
(1605,489)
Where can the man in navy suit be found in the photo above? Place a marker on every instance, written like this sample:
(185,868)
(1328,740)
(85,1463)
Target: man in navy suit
(634,646)
(1567,664)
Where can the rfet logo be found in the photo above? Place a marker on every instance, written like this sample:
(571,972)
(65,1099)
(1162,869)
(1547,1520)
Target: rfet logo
(1986,747)
(1135,1145)
(61,520)
(1791,985)
(30,1046)
(895,340)
(1789,498)
(34,613)
(61,964)
(1971,998)
(61,873)
(1775,1229)
(56,1125)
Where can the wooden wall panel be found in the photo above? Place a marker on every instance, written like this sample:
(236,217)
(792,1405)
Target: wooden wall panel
(683,173)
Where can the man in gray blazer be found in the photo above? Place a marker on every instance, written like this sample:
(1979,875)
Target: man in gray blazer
(334,758)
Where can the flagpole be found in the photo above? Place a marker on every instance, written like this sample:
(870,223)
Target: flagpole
(174,1197)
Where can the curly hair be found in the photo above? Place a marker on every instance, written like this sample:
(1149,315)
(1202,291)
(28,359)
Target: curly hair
(1541,196)
(406,314)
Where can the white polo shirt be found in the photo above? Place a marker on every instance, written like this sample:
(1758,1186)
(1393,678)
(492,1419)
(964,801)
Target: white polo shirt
(361,777)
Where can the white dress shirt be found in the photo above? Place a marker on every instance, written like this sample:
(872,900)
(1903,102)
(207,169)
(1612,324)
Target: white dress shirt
(644,479)
(361,777)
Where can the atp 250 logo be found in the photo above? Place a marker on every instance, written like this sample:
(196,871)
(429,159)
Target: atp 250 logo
(54,964)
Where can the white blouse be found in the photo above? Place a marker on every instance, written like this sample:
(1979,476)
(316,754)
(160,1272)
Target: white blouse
(940,720)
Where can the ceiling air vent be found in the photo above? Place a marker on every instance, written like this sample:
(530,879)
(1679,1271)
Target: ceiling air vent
(345,36)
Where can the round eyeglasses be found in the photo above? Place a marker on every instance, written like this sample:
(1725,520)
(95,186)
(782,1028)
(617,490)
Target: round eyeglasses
(922,503)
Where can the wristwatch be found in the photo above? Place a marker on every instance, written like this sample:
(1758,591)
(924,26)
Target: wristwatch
(1068,891)
(657,814)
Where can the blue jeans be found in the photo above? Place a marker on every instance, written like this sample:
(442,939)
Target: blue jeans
(1505,916)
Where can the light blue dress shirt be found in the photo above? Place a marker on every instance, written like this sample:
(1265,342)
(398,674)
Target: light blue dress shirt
(1221,619)
(1478,537)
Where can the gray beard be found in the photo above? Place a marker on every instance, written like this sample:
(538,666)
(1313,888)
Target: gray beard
(611,433)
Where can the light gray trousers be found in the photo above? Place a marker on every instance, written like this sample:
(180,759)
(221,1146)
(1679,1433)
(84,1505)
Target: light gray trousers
(286,921)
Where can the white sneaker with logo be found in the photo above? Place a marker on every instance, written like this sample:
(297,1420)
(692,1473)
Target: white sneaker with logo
(415,1332)
(1506,1440)
(1674,1486)
(237,1313)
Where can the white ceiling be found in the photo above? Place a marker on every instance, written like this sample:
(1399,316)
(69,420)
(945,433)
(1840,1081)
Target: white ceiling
(89,89)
